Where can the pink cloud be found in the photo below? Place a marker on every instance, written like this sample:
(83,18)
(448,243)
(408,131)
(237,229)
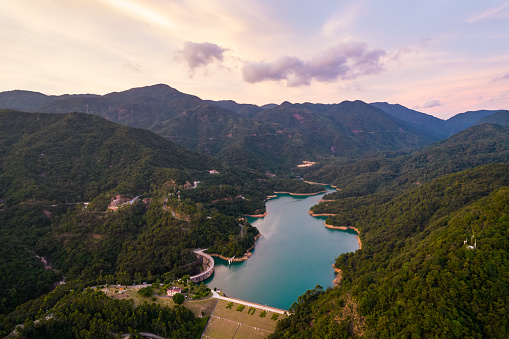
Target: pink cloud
(343,61)
(432,103)
(200,54)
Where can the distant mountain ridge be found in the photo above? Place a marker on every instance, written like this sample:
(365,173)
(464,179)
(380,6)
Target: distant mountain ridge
(434,126)
(500,117)
(270,137)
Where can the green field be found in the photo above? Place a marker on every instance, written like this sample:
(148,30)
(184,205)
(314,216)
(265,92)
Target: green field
(198,306)
(230,323)
(130,292)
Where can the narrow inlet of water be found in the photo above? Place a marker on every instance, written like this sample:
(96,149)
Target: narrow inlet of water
(294,254)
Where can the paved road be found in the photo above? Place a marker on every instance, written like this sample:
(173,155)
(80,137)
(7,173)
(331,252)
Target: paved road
(250,304)
(144,334)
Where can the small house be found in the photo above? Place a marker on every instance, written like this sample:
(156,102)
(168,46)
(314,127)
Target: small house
(173,290)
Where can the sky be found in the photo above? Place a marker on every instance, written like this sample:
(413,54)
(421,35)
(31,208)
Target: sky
(437,57)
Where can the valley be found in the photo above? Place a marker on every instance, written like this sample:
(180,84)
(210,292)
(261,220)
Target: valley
(165,173)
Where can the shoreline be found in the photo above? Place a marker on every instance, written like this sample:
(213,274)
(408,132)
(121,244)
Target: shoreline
(321,214)
(345,228)
(336,281)
(320,183)
(294,194)
(314,193)
(246,255)
(256,215)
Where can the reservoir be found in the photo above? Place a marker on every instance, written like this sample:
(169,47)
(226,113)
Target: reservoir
(294,254)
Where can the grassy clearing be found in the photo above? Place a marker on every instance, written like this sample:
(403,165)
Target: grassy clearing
(130,292)
(243,317)
(198,306)
(247,325)
(247,332)
(220,328)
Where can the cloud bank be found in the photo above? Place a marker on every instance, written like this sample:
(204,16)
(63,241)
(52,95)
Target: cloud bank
(343,61)
(200,54)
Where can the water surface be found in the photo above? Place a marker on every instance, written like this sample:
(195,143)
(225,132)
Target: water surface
(294,254)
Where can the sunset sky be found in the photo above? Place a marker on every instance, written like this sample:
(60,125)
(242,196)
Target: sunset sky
(438,57)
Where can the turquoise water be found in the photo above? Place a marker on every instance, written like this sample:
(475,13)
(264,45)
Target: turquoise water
(294,254)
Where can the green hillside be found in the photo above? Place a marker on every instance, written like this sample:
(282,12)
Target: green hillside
(86,198)
(433,126)
(52,164)
(75,157)
(75,311)
(500,117)
(415,275)
(475,146)
(273,137)
(464,120)
(64,178)
(348,129)
(23,100)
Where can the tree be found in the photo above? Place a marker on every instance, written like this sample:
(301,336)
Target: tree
(137,277)
(178,298)
(146,291)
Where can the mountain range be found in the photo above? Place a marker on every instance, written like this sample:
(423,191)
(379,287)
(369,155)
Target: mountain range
(428,198)
(270,137)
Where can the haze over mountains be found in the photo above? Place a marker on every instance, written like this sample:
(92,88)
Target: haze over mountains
(244,134)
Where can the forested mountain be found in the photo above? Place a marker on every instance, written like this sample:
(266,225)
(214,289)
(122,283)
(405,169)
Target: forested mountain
(430,124)
(349,129)
(270,137)
(51,164)
(461,121)
(478,145)
(23,100)
(75,157)
(500,117)
(102,200)
(106,203)
(435,127)
(245,110)
(433,264)
(144,107)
